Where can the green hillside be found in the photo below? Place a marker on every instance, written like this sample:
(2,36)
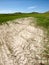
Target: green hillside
(42,18)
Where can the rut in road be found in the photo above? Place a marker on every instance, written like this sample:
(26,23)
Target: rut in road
(20,42)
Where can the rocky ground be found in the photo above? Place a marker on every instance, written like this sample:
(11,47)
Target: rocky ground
(20,43)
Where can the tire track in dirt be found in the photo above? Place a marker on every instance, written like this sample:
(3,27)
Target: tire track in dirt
(19,42)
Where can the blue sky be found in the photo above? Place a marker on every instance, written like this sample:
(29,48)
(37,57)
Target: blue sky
(11,6)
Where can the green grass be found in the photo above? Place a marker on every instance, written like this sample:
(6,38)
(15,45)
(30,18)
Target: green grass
(7,17)
(42,19)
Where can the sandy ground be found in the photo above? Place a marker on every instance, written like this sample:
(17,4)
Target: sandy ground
(20,43)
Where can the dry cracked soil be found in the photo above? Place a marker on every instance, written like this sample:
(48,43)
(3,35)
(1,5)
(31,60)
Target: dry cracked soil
(20,42)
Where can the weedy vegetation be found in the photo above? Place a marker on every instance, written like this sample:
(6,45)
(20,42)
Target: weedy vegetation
(42,18)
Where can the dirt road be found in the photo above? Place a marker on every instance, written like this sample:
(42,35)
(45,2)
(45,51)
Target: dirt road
(20,42)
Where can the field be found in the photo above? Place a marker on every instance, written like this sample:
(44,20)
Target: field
(42,18)
(26,37)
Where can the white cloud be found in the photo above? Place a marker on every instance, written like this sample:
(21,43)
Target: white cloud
(31,7)
(10,11)
(7,11)
(13,11)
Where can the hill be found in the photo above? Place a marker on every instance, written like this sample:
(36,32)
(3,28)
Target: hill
(42,18)
(47,12)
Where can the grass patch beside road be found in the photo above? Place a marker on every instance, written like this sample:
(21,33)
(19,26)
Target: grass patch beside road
(42,18)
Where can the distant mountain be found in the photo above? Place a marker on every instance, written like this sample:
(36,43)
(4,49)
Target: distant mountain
(47,12)
(18,13)
(35,12)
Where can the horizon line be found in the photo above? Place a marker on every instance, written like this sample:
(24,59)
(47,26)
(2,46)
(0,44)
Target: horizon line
(24,12)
